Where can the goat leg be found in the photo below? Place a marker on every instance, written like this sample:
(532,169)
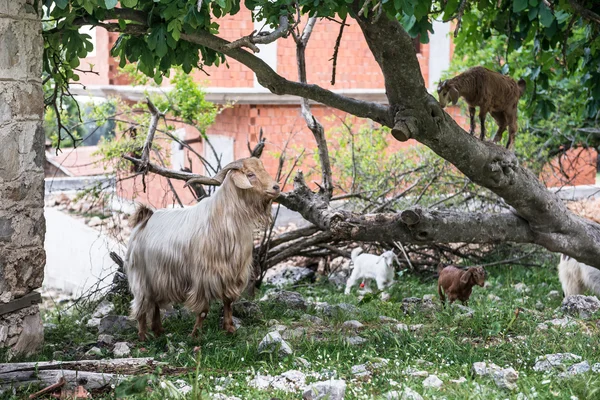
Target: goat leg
(482,115)
(199,320)
(473,124)
(142,327)
(228,316)
(157,327)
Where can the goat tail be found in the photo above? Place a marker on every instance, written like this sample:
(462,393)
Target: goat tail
(141,215)
(355,253)
(522,86)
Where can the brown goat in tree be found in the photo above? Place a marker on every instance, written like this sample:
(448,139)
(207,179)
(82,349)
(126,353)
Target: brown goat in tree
(492,92)
(198,254)
(458,283)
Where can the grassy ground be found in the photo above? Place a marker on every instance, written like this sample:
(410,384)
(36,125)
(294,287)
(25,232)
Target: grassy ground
(446,345)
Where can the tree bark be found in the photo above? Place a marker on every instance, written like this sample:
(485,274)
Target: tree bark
(22,224)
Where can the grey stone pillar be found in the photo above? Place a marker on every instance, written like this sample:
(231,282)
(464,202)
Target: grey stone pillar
(22,225)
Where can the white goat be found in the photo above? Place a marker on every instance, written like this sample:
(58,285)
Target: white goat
(576,277)
(370,266)
(201,253)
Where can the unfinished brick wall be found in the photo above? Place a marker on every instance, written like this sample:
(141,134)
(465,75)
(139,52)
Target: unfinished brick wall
(576,167)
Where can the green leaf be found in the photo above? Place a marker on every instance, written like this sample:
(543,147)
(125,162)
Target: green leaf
(62,4)
(519,5)
(532,14)
(546,16)
(129,3)
(110,4)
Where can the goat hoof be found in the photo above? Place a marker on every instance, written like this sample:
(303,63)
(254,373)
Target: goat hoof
(142,337)
(229,329)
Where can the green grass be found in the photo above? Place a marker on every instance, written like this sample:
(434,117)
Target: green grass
(449,343)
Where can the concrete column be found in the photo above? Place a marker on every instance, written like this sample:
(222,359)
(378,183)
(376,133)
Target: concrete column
(22,224)
(439,53)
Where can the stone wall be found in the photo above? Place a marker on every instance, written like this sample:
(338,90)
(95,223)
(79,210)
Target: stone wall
(22,225)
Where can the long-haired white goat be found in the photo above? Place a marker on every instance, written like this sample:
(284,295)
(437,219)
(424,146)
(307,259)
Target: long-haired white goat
(370,266)
(576,277)
(201,253)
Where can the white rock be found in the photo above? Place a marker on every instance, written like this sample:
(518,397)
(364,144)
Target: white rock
(493,297)
(384,296)
(286,275)
(355,340)
(106,339)
(94,351)
(303,362)
(406,394)
(272,342)
(419,374)
(484,369)
(401,327)
(93,322)
(121,349)
(330,390)
(278,328)
(360,371)
(549,361)
(462,379)
(554,294)
(576,369)
(429,297)
(352,324)
(581,306)
(384,319)
(95,221)
(3,334)
(506,378)
(521,288)
(294,333)
(312,318)
(415,328)
(433,381)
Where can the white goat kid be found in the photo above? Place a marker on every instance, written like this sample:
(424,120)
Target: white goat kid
(370,266)
(576,277)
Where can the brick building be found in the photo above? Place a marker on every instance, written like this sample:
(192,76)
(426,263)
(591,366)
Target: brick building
(358,76)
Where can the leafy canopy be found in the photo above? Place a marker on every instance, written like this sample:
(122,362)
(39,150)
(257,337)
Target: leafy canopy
(550,42)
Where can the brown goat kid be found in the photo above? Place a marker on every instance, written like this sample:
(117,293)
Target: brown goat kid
(458,283)
(198,254)
(490,91)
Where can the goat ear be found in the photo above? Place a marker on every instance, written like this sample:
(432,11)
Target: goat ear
(454,95)
(240,179)
(464,279)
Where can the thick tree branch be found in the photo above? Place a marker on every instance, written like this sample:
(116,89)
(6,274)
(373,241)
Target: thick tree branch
(264,73)
(253,39)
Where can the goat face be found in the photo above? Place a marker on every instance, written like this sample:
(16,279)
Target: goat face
(447,93)
(477,275)
(389,258)
(250,174)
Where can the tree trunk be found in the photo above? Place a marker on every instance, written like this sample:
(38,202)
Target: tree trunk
(22,224)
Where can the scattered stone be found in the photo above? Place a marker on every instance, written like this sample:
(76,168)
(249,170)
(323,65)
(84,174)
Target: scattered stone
(302,362)
(183,386)
(554,294)
(429,297)
(384,296)
(406,394)
(286,275)
(493,297)
(335,309)
(360,371)
(95,221)
(558,322)
(103,309)
(576,369)
(106,339)
(121,349)
(274,342)
(94,351)
(506,378)
(352,324)
(221,396)
(294,333)
(581,306)
(58,355)
(466,312)
(247,310)
(521,288)
(433,381)
(289,381)
(278,328)
(93,322)
(114,324)
(416,327)
(330,390)
(549,362)
(539,306)
(272,322)
(462,379)
(355,340)
(419,374)
(411,305)
(312,319)
(339,278)
(384,319)
(378,362)
(484,369)
(293,300)
(401,327)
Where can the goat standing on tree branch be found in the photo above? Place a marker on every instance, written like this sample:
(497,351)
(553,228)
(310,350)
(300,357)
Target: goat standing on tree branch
(491,92)
(201,253)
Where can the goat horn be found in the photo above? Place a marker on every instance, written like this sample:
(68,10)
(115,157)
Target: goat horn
(220,176)
(202,180)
